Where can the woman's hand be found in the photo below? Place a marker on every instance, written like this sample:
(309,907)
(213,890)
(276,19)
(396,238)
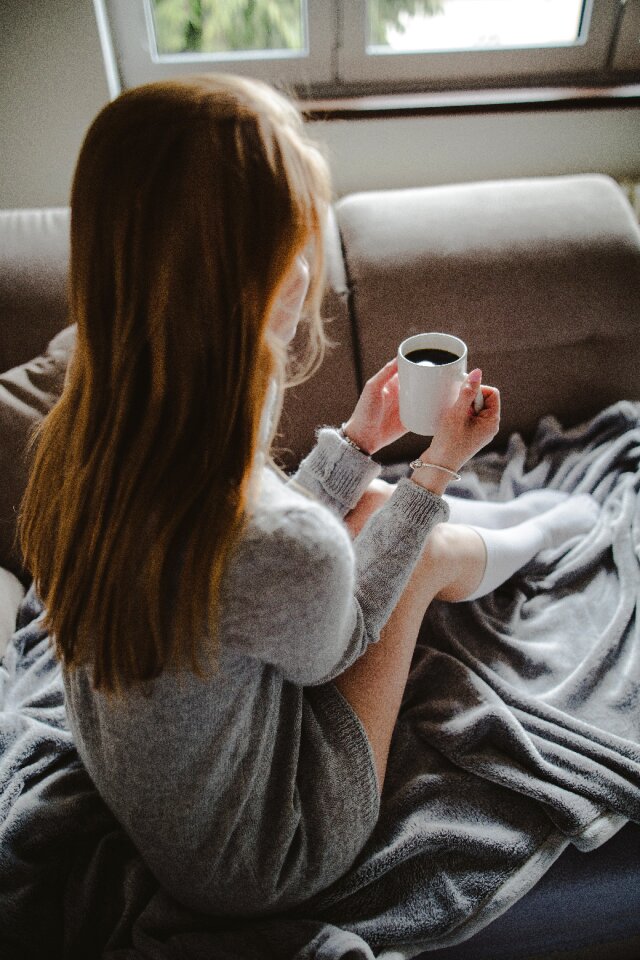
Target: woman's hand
(462,433)
(375,422)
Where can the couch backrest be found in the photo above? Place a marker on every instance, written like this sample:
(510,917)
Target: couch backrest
(540,277)
(34,255)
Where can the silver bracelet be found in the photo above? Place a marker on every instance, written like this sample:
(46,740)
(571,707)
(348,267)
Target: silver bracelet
(416,464)
(348,440)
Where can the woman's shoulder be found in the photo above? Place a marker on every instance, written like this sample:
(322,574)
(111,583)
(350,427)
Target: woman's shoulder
(283,508)
(287,528)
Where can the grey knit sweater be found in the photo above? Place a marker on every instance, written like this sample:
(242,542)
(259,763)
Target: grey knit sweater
(251,790)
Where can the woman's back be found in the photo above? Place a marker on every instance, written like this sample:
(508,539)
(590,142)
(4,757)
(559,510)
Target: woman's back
(215,779)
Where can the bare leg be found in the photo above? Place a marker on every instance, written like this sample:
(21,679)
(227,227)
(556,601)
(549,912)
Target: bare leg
(450,567)
(458,562)
(374,497)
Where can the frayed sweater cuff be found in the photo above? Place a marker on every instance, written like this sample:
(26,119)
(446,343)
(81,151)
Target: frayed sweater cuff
(420,507)
(342,472)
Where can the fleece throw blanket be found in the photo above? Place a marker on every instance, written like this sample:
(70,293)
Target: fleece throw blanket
(519,734)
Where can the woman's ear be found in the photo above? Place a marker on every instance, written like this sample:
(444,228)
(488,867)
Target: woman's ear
(287,307)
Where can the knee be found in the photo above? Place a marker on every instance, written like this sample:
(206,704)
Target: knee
(441,544)
(436,555)
(457,554)
(450,549)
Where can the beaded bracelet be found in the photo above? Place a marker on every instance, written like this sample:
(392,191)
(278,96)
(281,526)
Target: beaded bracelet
(416,464)
(351,443)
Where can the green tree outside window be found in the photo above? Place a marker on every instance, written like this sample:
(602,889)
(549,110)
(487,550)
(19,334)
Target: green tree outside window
(217,26)
(386,13)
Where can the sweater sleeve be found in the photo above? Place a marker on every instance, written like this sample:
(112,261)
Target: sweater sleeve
(304,598)
(335,472)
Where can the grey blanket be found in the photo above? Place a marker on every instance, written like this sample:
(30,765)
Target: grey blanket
(519,734)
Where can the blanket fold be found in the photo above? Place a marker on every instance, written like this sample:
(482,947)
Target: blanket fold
(519,734)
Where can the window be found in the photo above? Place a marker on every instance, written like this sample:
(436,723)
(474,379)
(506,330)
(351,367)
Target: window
(181,28)
(474,25)
(287,41)
(495,41)
(333,46)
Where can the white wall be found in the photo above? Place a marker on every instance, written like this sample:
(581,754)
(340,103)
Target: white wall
(374,154)
(52,84)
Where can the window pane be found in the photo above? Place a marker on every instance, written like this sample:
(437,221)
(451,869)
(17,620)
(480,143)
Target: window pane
(403,25)
(227,26)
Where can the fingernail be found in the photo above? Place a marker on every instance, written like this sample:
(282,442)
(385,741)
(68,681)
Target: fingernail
(475,376)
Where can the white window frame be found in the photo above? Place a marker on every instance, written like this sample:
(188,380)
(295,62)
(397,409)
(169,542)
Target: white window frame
(627,49)
(336,58)
(588,55)
(130,23)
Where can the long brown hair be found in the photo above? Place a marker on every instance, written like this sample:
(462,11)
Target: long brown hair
(190,200)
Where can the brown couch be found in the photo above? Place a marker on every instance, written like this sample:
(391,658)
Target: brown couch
(539,276)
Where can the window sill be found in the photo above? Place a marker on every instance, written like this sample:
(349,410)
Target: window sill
(472,101)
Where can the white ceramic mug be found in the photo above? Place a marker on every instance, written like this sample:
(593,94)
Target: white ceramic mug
(427,389)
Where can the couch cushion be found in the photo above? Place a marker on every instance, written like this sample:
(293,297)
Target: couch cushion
(34,255)
(540,277)
(331,394)
(27,393)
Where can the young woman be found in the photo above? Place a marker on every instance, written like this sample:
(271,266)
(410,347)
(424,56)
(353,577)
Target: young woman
(234,662)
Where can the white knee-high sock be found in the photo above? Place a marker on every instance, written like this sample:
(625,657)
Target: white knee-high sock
(509,549)
(507,513)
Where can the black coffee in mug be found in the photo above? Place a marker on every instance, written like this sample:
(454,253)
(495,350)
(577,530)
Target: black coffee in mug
(431,357)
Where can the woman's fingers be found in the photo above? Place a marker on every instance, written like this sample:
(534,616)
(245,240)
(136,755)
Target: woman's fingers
(375,422)
(463,431)
(469,389)
(392,385)
(491,396)
(386,372)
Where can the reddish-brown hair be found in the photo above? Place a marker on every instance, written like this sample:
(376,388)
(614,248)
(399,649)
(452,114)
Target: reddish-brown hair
(190,200)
